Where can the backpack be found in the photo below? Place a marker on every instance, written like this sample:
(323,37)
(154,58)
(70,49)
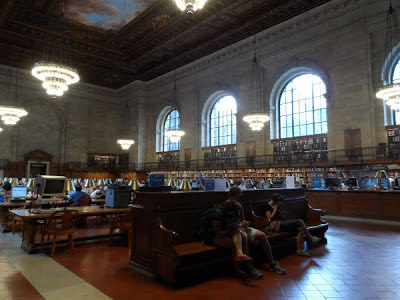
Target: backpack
(206,232)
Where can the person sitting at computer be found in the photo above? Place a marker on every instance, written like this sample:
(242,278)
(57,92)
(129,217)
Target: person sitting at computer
(7,188)
(79,197)
(97,193)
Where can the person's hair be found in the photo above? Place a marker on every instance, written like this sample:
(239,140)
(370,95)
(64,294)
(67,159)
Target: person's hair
(277,197)
(78,188)
(233,191)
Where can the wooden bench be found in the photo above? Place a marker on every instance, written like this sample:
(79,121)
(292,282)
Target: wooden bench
(283,243)
(165,234)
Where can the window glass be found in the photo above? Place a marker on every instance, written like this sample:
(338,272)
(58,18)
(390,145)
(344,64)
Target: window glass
(302,107)
(223,122)
(171,122)
(396,79)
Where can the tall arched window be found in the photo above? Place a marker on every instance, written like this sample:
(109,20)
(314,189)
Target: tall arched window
(396,79)
(223,122)
(172,121)
(302,107)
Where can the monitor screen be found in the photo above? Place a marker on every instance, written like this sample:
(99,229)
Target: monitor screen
(194,185)
(54,186)
(331,182)
(18,191)
(352,181)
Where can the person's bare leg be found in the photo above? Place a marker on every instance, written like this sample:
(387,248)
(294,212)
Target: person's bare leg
(266,248)
(305,230)
(300,240)
(237,243)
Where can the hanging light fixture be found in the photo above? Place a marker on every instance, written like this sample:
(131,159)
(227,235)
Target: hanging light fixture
(10,115)
(390,92)
(174,134)
(256,118)
(52,70)
(125,142)
(190,6)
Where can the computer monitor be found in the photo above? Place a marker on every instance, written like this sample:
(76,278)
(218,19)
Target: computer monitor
(18,192)
(50,186)
(332,182)
(352,181)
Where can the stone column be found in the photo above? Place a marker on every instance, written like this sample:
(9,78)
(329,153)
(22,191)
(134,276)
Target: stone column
(141,142)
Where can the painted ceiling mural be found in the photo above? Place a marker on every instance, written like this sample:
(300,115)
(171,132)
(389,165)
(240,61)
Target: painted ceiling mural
(107,14)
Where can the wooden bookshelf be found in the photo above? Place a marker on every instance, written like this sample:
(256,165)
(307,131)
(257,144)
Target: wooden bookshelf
(221,155)
(393,136)
(300,149)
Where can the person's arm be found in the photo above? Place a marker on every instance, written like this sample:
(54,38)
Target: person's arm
(244,222)
(217,226)
(271,214)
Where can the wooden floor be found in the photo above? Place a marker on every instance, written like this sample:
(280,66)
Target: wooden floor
(360,261)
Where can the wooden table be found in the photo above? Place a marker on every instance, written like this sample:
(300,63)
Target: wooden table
(29,243)
(6,207)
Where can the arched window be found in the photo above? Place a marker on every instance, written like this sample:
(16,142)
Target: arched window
(302,107)
(172,121)
(396,79)
(223,122)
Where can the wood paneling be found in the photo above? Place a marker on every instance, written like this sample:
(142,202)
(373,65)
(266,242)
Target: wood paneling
(362,204)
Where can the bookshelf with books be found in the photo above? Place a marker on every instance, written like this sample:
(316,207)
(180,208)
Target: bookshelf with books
(220,156)
(393,134)
(300,149)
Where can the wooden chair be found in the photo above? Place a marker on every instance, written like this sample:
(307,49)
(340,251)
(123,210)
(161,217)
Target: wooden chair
(60,223)
(123,223)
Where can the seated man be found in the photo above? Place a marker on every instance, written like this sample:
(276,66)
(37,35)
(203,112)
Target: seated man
(277,224)
(97,193)
(78,197)
(254,236)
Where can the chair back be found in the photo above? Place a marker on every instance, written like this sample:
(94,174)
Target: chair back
(83,201)
(62,220)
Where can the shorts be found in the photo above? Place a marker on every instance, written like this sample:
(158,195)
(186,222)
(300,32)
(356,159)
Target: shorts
(291,226)
(251,234)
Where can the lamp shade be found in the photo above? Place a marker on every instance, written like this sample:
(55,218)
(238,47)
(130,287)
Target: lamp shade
(1,181)
(14,181)
(31,184)
(134,184)
(89,183)
(69,186)
(381,174)
(185,185)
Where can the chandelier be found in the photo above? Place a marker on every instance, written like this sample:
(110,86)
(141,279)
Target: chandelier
(190,6)
(125,142)
(10,115)
(256,118)
(390,92)
(174,134)
(55,77)
(53,70)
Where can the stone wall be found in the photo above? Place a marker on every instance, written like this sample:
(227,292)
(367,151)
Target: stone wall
(341,41)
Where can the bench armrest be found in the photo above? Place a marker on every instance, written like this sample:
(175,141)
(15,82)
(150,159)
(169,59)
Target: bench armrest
(166,239)
(314,216)
(258,222)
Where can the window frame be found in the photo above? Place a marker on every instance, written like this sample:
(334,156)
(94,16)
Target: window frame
(232,136)
(288,81)
(166,143)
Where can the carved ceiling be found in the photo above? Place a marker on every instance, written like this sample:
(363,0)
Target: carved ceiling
(154,43)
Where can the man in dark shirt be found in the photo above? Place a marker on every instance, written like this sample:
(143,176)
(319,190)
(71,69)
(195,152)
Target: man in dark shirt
(78,196)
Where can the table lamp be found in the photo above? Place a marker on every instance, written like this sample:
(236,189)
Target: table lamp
(381,174)
(185,185)
(134,184)
(14,181)
(1,181)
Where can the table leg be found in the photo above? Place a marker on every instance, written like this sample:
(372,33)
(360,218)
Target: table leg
(29,240)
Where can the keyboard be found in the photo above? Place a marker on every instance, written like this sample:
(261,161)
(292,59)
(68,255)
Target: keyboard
(46,211)
(17,200)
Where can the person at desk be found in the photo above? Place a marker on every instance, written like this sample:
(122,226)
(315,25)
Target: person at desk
(7,188)
(97,193)
(367,183)
(78,196)
(201,182)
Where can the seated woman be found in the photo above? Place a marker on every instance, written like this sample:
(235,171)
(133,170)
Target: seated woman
(277,224)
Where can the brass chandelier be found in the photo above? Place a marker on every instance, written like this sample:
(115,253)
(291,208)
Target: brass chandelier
(256,118)
(53,70)
(190,6)
(10,114)
(390,92)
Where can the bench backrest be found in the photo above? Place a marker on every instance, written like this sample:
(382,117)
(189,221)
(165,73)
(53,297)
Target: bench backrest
(290,208)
